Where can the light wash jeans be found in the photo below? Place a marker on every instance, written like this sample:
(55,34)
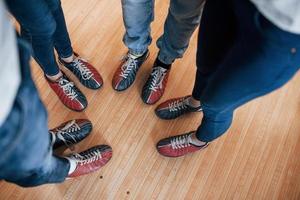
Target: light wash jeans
(183,18)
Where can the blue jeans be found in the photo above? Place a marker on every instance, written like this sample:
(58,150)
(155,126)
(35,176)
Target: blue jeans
(183,18)
(43,26)
(26,154)
(241,56)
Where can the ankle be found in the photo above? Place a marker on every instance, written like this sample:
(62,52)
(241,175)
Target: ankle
(196,141)
(54,78)
(69,59)
(136,55)
(162,64)
(193,102)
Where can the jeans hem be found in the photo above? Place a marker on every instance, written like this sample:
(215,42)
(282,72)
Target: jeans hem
(166,59)
(66,55)
(138,51)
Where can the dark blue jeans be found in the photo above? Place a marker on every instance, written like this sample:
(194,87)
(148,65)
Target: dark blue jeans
(43,26)
(26,154)
(241,55)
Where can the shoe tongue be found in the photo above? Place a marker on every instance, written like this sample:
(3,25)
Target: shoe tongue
(64,79)
(134,56)
(60,79)
(69,124)
(159,68)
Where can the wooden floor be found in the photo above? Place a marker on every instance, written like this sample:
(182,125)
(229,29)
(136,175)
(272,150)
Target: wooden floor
(258,158)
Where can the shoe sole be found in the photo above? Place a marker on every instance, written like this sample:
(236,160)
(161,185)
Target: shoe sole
(204,147)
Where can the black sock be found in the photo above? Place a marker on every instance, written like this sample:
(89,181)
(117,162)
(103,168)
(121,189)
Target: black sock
(163,65)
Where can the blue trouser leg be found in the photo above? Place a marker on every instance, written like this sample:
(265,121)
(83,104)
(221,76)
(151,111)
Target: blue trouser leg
(216,37)
(61,36)
(26,157)
(43,25)
(182,20)
(258,61)
(137,16)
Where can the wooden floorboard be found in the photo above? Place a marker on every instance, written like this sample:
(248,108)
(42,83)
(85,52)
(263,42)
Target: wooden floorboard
(258,158)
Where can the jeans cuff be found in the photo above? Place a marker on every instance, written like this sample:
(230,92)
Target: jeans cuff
(52,72)
(66,54)
(202,137)
(165,58)
(137,51)
(195,95)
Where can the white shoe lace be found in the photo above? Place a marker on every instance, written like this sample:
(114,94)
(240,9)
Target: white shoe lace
(85,72)
(87,158)
(72,126)
(178,105)
(131,63)
(158,74)
(181,141)
(67,87)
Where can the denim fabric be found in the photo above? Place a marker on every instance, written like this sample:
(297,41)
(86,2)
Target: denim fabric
(26,157)
(43,25)
(241,56)
(183,18)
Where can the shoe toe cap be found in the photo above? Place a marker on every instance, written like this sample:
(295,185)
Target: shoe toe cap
(95,84)
(86,127)
(149,97)
(121,84)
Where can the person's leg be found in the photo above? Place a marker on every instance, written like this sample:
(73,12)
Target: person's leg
(25,143)
(262,59)
(217,34)
(36,18)
(61,36)
(182,20)
(27,158)
(52,73)
(137,17)
(86,73)
(25,34)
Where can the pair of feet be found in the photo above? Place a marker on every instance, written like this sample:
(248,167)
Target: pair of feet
(155,84)
(71,133)
(183,144)
(66,90)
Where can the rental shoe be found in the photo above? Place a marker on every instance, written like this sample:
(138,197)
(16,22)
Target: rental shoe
(68,93)
(70,133)
(89,161)
(178,145)
(155,85)
(176,107)
(84,71)
(126,73)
